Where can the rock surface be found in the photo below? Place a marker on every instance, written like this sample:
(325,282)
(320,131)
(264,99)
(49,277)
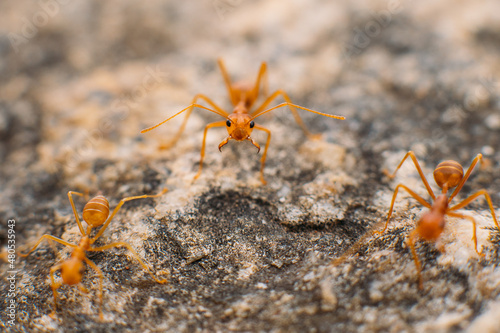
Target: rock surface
(80,79)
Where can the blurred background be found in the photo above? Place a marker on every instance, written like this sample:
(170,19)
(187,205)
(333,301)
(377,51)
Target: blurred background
(80,79)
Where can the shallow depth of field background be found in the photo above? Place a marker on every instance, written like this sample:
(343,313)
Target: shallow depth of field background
(80,79)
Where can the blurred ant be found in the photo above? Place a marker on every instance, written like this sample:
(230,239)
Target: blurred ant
(95,213)
(4,255)
(448,174)
(240,123)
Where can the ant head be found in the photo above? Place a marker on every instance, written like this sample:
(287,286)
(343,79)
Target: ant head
(431,224)
(448,174)
(72,271)
(96,211)
(239,126)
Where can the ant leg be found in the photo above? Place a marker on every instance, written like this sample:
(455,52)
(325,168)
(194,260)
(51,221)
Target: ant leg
(188,113)
(411,242)
(54,249)
(413,194)
(464,179)
(83,289)
(264,155)
(86,194)
(474,227)
(117,208)
(468,200)
(202,154)
(227,81)
(54,287)
(99,273)
(47,237)
(352,249)
(70,196)
(262,76)
(265,85)
(417,165)
(134,253)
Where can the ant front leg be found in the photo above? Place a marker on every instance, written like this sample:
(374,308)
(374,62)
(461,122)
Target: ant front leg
(48,237)
(468,200)
(264,155)
(413,194)
(188,113)
(202,153)
(134,253)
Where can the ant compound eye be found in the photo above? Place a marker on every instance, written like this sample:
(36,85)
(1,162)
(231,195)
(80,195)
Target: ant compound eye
(228,123)
(252,124)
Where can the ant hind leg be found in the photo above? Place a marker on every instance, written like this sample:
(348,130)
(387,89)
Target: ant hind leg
(464,178)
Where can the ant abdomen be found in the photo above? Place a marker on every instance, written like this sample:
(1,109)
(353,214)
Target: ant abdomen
(96,211)
(448,174)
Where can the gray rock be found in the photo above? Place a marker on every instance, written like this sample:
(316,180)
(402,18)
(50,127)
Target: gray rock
(297,254)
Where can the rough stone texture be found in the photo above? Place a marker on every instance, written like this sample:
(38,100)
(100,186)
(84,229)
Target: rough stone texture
(240,256)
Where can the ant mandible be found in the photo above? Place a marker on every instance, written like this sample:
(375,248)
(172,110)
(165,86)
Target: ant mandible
(240,123)
(448,174)
(95,214)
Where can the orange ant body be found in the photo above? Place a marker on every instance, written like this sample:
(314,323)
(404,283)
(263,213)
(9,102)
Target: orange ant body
(448,174)
(95,214)
(240,123)
(4,255)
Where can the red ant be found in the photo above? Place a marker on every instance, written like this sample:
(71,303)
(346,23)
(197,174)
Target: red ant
(240,123)
(448,174)
(95,213)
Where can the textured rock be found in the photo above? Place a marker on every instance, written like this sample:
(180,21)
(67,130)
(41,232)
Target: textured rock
(241,256)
